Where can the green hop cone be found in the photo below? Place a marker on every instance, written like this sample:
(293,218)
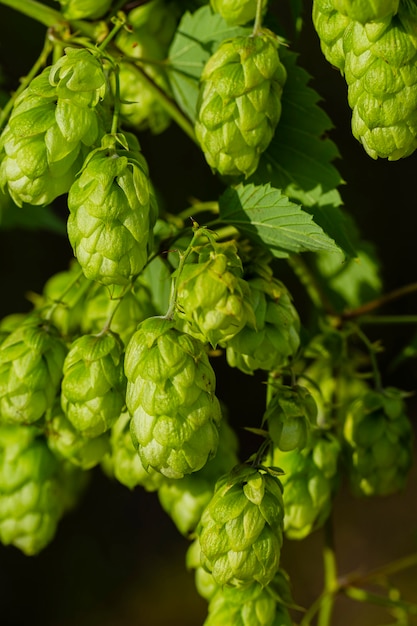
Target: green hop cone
(236,12)
(380,71)
(235,606)
(204,581)
(9,323)
(213,300)
(124,463)
(310,480)
(93,386)
(35,489)
(366,10)
(378,437)
(31,362)
(171,398)
(330,26)
(240,531)
(185,499)
(239,103)
(270,343)
(289,416)
(84,9)
(112,213)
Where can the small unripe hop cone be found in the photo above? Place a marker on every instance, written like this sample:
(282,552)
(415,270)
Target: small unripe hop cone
(239,103)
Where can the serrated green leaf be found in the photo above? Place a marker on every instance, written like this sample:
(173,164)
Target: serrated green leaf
(268,217)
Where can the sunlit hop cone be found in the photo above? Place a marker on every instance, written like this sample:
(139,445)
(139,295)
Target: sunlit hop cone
(31,362)
(240,531)
(236,13)
(112,212)
(184,499)
(84,9)
(330,25)
(213,299)
(310,479)
(273,339)
(366,10)
(33,489)
(379,436)
(53,122)
(239,103)
(289,416)
(171,398)
(93,386)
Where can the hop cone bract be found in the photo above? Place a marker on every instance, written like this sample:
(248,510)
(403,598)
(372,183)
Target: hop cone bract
(366,10)
(239,103)
(171,398)
(235,606)
(330,25)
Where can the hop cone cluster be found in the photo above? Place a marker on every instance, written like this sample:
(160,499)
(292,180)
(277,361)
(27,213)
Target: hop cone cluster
(53,122)
(213,299)
(378,435)
(239,103)
(93,386)
(309,481)
(171,398)
(112,212)
(236,13)
(31,362)
(273,339)
(35,489)
(240,531)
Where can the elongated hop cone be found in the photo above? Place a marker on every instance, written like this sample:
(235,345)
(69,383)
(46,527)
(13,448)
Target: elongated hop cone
(289,417)
(273,339)
(93,386)
(212,298)
(366,10)
(239,103)
(378,437)
(330,25)
(31,363)
(33,489)
(236,13)
(381,73)
(171,398)
(240,531)
(112,212)
(310,479)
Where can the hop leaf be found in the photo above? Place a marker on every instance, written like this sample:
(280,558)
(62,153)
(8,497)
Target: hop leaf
(239,103)
(31,362)
(378,435)
(170,396)
(240,531)
(112,212)
(93,386)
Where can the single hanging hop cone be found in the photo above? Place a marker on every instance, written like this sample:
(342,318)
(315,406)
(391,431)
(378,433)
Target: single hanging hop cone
(274,338)
(239,103)
(31,362)
(112,213)
(366,10)
(381,73)
(171,398)
(330,25)
(93,386)
(52,124)
(213,300)
(236,13)
(240,531)
(310,480)
(35,489)
(378,437)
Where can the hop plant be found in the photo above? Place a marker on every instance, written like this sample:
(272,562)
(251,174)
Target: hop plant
(289,416)
(31,362)
(213,299)
(35,489)
(273,339)
(84,9)
(240,530)
(310,480)
(239,103)
(378,437)
(112,212)
(236,13)
(204,581)
(93,385)
(52,124)
(365,10)
(171,398)
(330,25)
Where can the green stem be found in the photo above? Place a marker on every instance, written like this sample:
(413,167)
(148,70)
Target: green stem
(389,319)
(116,108)
(199,207)
(372,354)
(330,576)
(379,302)
(258,18)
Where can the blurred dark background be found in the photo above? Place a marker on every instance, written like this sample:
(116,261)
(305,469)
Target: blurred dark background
(118,559)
